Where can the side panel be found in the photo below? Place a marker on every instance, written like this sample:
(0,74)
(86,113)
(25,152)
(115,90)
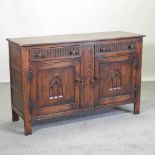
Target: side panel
(16,78)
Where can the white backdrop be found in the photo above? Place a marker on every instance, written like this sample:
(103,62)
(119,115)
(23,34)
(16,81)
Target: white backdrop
(20,18)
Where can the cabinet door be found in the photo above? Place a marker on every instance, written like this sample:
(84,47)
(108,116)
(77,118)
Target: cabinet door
(116,79)
(54,87)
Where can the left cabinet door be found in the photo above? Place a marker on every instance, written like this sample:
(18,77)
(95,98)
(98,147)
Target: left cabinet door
(55,87)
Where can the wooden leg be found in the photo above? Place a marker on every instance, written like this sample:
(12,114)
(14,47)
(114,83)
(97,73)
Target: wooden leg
(138,77)
(136,108)
(137,101)
(27,127)
(137,105)
(15,116)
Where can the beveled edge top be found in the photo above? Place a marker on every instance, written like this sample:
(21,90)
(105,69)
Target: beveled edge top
(72,38)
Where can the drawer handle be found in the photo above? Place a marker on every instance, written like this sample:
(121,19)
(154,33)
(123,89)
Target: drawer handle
(40,56)
(132,46)
(79,80)
(73,53)
(94,81)
(102,49)
(96,78)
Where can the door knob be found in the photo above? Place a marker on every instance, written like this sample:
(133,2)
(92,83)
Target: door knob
(79,80)
(94,80)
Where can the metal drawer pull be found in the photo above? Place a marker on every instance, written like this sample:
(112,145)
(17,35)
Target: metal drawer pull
(102,49)
(73,53)
(40,56)
(132,46)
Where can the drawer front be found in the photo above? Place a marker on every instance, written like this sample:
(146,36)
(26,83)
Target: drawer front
(48,53)
(109,47)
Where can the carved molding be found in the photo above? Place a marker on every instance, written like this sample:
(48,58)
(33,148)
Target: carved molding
(50,52)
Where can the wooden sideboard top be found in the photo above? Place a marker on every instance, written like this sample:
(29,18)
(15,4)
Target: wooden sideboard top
(70,38)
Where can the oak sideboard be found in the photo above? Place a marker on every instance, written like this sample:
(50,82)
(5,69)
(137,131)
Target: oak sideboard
(65,75)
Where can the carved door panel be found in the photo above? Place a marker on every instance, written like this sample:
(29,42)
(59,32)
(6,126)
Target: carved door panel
(55,87)
(116,79)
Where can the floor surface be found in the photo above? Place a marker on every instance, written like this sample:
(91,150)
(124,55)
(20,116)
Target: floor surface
(117,131)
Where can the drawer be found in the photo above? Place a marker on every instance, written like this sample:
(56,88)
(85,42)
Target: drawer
(107,47)
(48,53)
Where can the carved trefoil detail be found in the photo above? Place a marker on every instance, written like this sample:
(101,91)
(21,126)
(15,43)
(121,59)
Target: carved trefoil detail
(115,80)
(55,88)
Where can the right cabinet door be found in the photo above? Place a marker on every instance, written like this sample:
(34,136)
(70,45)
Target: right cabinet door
(115,79)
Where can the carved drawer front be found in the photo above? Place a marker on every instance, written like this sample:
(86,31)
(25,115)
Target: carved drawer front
(114,46)
(116,79)
(54,88)
(47,53)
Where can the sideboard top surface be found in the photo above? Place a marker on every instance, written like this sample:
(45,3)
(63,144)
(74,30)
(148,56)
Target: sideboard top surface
(72,38)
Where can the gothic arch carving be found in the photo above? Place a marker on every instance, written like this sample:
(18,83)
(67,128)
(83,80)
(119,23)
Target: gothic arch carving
(55,88)
(115,80)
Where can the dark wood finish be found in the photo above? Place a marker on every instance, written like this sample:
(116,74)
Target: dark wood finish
(66,75)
